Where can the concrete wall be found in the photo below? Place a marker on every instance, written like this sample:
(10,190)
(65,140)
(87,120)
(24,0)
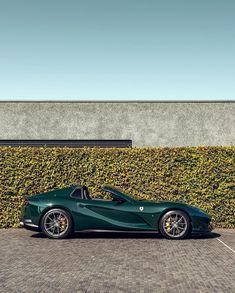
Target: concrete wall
(146,123)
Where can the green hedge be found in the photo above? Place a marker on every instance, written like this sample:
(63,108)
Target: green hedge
(202,176)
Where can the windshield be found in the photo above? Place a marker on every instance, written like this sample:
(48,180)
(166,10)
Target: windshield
(118,193)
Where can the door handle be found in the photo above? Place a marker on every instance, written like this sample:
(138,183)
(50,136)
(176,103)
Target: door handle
(82,205)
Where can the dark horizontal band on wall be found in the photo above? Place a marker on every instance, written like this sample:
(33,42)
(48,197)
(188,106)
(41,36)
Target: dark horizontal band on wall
(118,101)
(77,143)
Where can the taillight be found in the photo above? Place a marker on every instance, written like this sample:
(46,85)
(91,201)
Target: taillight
(26,202)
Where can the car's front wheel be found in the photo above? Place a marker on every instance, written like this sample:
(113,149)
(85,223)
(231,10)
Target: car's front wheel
(174,224)
(56,224)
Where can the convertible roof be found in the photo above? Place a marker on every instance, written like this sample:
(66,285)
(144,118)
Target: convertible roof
(118,192)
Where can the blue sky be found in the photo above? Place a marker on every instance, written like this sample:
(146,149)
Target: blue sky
(120,50)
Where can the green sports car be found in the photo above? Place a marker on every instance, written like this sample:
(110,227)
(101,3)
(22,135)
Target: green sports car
(61,212)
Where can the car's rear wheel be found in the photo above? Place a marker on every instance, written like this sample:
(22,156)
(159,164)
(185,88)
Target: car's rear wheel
(56,224)
(175,224)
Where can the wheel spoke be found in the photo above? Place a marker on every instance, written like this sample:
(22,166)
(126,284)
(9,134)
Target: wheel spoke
(50,223)
(182,224)
(180,220)
(50,228)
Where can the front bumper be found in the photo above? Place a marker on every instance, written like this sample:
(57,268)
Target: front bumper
(201,225)
(28,224)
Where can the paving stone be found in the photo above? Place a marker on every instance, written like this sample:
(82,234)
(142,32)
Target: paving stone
(116,262)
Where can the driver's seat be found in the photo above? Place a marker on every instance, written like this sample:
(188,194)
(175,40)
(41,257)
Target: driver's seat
(86,193)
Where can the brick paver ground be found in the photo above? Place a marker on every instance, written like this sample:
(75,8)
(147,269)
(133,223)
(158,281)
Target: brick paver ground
(113,263)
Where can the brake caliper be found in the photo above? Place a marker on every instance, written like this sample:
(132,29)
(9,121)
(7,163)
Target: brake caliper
(62,224)
(168,224)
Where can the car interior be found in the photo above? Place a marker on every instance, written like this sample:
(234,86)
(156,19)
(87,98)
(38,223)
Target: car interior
(86,193)
(82,193)
(77,193)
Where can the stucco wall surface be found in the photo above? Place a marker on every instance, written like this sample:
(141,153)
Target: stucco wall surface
(146,123)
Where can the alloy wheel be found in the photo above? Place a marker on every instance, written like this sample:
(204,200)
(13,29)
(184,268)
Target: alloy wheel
(175,224)
(56,223)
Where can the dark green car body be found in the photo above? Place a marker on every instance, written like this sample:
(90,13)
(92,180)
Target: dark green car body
(123,213)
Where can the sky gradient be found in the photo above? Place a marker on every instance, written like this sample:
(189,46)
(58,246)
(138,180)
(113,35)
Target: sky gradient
(120,50)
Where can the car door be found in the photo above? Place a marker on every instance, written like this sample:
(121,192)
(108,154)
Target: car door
(110,215)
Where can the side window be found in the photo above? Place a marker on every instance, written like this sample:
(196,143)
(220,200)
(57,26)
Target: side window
(77,193)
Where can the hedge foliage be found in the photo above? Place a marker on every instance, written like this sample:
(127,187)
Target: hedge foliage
(201,176)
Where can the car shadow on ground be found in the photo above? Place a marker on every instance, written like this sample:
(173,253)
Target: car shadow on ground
(126,235)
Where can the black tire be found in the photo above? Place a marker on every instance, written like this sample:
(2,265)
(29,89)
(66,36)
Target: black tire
(51,221)
(175,224)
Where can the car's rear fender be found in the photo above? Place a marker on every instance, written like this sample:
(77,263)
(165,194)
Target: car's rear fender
(30,209)
(56,206)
